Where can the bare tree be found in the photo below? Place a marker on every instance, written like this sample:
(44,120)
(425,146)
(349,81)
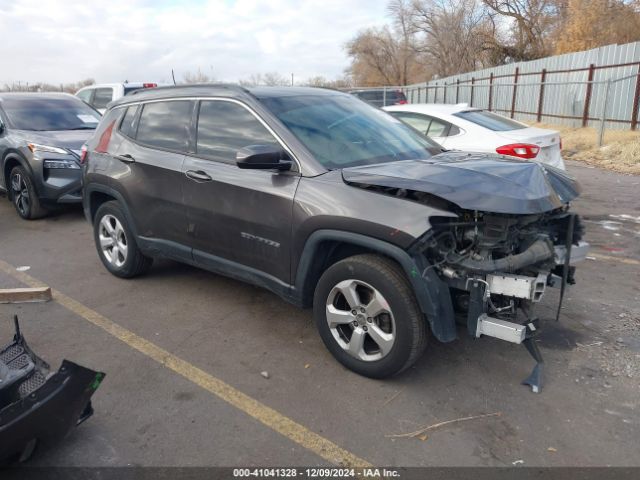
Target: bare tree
(532,25)
(386,55)
(453,35)
(197,77)
(586,24)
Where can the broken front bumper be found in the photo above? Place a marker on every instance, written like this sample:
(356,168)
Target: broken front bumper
(38,406)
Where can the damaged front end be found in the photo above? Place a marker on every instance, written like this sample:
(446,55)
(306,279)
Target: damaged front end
(504,234)
(37,405)
(498,266)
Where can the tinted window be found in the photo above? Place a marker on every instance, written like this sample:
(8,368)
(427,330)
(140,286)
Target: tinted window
(165,124)
(102,97)
(35,112)
(489,120)
(225,127)
(127,126)
(341,131)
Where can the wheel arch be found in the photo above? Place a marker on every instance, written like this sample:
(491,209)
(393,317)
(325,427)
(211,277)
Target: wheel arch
(10,161)
(96,195)
(325,247)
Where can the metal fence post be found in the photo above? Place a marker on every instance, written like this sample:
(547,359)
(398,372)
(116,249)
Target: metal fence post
(473,80)
(515,86)
(384,96)
(445,93)
(457,89)
(543,78)
(604,113)
(587,96)
(490,90)
(636,103)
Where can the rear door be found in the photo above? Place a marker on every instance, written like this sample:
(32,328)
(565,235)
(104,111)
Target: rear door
(153,150)
(239,215)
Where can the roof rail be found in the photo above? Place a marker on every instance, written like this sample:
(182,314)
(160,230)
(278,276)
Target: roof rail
(229,86)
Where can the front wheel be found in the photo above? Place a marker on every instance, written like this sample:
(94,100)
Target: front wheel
(368,317)
(116,244)
(24,196)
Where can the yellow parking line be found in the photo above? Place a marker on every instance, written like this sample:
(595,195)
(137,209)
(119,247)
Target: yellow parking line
(609,258)
(255,409)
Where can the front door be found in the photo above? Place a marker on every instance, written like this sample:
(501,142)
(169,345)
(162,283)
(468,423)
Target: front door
(242,216)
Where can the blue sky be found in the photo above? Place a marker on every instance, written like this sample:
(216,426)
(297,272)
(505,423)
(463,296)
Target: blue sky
(142,40)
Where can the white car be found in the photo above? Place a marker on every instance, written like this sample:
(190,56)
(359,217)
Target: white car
(99,96)
(459,127)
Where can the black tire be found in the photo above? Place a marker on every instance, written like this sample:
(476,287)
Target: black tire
(134,263)
(23,195)
(388,278)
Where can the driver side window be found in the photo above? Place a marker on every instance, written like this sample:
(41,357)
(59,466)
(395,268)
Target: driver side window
(225,127)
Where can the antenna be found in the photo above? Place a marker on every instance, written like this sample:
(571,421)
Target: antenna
(174,77)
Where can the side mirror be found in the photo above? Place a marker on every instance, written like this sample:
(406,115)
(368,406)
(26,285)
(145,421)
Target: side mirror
(263,157)
(1,127)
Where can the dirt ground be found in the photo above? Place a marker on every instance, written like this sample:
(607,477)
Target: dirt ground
(150,412)
(620,151)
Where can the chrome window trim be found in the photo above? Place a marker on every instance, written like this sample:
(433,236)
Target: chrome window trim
(221,99)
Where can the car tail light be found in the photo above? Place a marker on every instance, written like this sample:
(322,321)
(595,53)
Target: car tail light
(149,85)
(521,150)
(402,100)
(83,154)
(560,140)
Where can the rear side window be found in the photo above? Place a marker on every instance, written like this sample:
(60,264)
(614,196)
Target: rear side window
(427,125)
(226,127)
(165,125)
(489,120)
(127,126)
(102,97)
(419,122)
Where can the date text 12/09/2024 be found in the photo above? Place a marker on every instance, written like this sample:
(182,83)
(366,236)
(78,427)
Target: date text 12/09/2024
(313,473)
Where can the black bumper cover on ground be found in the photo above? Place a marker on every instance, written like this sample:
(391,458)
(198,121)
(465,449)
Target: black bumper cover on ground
(38,406)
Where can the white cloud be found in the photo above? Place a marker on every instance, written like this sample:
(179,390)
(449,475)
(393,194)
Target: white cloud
(62,41)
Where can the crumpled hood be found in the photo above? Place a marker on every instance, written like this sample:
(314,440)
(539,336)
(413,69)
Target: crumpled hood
(475,181)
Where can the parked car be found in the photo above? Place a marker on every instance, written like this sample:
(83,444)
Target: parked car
(458,127)
(380,97)
(331,204)
(41,135)
(99,96)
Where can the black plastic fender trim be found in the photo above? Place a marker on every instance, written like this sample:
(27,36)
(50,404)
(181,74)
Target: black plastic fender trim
(432,293)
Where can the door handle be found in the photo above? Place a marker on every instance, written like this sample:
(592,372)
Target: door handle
(198,176)
(126,158)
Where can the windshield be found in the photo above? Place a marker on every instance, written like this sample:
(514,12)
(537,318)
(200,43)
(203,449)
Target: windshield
(342,131)
(48,113)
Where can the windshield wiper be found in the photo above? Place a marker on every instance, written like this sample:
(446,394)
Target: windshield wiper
(82,127)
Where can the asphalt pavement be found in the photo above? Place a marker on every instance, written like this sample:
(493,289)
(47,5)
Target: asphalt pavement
(183,350)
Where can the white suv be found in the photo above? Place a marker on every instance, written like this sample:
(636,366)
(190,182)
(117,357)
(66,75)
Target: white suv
(98,96)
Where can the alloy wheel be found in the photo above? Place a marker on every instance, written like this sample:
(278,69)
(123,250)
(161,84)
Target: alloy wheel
(113,240)
(20,194)
(360,320)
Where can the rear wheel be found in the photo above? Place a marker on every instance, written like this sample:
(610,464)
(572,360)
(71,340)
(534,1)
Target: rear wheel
(368,317)
(116,243)
(24,196)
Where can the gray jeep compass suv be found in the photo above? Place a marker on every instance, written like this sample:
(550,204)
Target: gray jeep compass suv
(332,204)
(41,135)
